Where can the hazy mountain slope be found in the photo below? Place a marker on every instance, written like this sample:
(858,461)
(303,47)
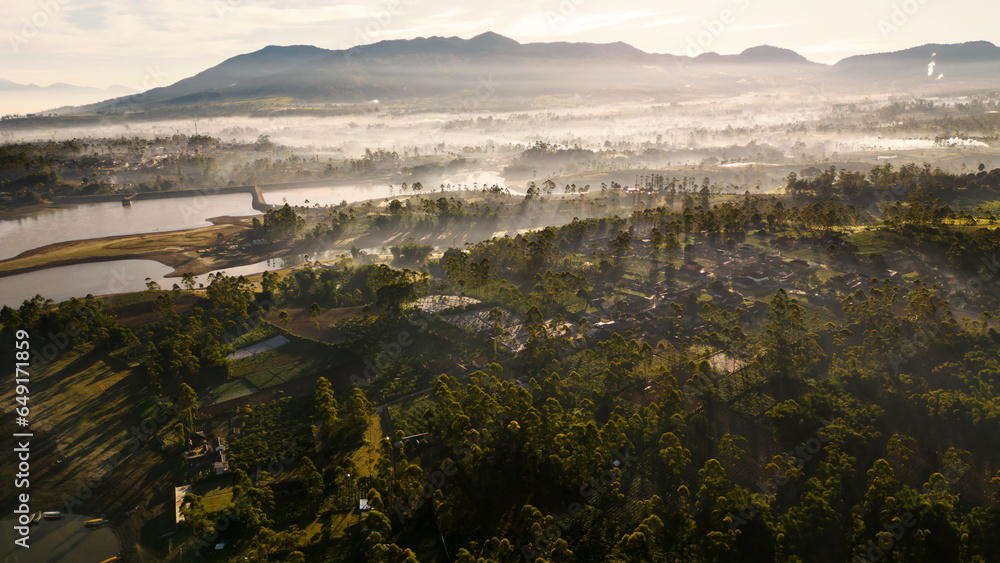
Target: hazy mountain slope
(454,71)
(976,62)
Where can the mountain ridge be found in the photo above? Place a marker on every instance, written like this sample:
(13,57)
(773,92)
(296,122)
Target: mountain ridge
(437,67)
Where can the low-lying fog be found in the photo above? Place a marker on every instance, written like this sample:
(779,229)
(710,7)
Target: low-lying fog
(810,129)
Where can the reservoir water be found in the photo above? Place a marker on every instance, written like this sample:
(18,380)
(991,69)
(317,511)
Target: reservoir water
(104,278)
(94,220)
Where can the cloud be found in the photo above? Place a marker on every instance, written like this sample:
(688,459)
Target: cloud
(102,42)
(833,51)
(581,23)
(764,26)
(668,21)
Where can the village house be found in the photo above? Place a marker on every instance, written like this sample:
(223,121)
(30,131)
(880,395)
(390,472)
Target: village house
(203,453)
(693,271)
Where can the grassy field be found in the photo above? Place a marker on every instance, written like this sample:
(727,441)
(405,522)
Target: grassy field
(83,460)
(281,365)
(970,200)
(231,390)
(291,368)
(123,300)
(217,492)
(79,402)
(261,332)
(366,455)
(869,242)
(302,324)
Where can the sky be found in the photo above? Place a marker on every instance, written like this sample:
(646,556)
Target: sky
(141,44)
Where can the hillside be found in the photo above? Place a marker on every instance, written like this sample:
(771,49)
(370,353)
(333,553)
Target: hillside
(490,68)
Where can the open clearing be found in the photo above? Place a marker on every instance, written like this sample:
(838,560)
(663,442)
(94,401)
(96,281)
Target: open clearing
(254,349)
(302,324)
(83,414)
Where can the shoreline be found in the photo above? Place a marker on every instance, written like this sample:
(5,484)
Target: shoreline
(182,257)
(177,266)
(255,192)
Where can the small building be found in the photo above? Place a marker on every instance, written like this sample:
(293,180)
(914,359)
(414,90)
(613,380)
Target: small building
(415,439)
(220,461)
(693,271)
(221,465)
(749,282)
(200,456)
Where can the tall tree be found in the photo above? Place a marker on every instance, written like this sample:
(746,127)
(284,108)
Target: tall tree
(312,479)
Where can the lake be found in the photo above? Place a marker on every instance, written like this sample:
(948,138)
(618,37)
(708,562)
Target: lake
(105,278)
(94,220)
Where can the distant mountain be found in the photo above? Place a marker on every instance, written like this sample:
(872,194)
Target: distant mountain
(29,98)
(974,62)
(230,73)
(763,54)
(769,54)
(459,72)
(490,68)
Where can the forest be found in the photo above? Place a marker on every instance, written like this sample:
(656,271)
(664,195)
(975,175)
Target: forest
(799,377)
